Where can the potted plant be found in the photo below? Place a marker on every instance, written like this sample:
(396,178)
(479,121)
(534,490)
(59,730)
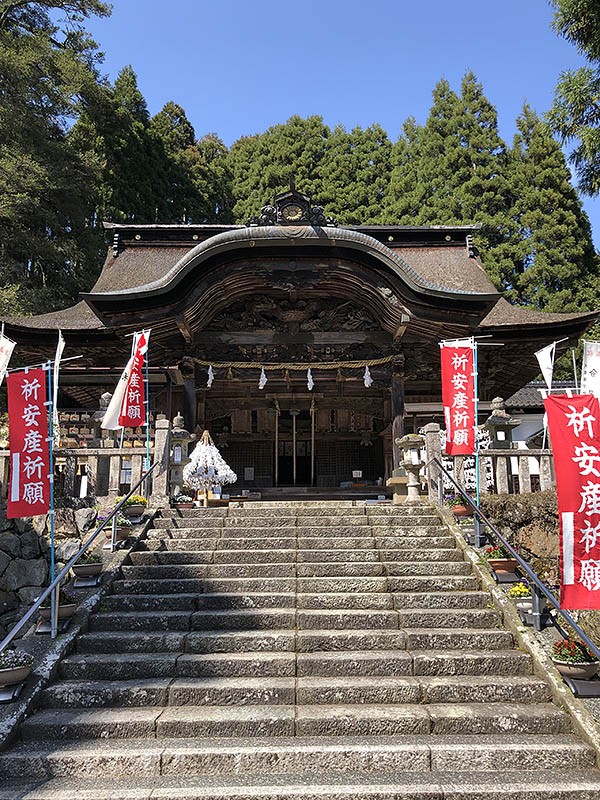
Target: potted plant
(66,605)
(499,559)
(574,659)
(15,666)
(134,506)
(184,501)
(89,564)
(521,593)
(122,528)
(457,504)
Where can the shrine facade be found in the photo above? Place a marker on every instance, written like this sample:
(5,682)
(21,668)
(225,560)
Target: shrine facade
(363,307)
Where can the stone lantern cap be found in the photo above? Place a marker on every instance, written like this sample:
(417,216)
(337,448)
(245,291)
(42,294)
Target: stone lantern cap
(178,431)
(412,441)
(499,418)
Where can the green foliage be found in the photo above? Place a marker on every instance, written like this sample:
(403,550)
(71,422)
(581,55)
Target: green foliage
(47,68)
(575,113)
(554,265)
(573,651)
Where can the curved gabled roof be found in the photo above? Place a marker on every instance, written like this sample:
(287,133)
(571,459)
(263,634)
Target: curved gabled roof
(273,236)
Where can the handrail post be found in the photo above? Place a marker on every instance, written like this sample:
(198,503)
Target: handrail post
(477,525)
(537,607)
(440,490)
(54,611)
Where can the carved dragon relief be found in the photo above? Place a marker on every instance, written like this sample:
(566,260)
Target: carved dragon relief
(261,312)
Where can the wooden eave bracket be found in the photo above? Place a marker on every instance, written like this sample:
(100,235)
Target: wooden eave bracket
(184,328)
(401,329)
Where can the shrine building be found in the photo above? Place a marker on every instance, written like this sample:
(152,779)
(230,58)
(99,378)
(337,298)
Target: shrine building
(291,290)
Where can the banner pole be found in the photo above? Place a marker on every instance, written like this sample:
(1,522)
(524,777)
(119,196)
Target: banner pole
(476,520)
(55,597)
(575,369)
(147,481)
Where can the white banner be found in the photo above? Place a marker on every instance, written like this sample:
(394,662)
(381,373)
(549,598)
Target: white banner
(545,358)
(590,368)
(110,421)
(6,350)
(55,420)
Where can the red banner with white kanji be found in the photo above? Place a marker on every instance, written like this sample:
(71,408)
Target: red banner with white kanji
(574,426)
(29,489)
(133,410)
(458,398)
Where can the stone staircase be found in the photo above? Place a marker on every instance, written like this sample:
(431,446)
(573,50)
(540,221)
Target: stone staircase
(306,650)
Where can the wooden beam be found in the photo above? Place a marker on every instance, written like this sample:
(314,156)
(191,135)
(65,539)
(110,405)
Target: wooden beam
(184,328)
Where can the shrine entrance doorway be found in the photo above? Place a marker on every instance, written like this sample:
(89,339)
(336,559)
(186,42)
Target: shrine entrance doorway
(295,466)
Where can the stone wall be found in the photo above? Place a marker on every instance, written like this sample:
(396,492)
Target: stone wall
(25,556)
(530,523)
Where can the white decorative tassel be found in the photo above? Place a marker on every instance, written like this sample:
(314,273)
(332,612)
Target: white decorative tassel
(262,381)
(309,380)
(367,379)
(211,377)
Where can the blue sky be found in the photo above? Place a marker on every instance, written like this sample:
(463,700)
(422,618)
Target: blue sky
(238,67)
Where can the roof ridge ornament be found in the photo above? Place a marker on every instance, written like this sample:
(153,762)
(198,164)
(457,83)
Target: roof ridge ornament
(292,208)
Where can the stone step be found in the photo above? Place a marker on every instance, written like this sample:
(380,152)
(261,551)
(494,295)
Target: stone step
(475,662)
(150,620)
(429,568)
(458,689)
(295,756)
(289,720)
(448,618)
(249,556)
(185,571)
(458,639)
(129,666)
(437,583)
(211,585)
(248,600)
(413,542)
(421,554)
(150,602)
(328,639)
(333,600)
(143,558)
(424,600)
(257,619)
(126,641)
(341,619)
(497,785)
(305,691)
(337,554)
(316,584)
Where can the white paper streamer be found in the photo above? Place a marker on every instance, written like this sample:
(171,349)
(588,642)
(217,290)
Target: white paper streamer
(309,380)
(262,381)
(367,379)
(211,377)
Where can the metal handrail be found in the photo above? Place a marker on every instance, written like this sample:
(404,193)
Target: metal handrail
(54,586)
(532,576)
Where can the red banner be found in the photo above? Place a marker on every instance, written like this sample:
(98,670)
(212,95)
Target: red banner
(574,425)
(458,399)
(133,410)
(29,490)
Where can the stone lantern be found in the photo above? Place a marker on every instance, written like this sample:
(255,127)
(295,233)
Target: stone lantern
(411,446)
(500,425)
(180,442)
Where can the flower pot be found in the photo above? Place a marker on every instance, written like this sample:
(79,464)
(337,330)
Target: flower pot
(13,675)
(133,511)
(462,511)
(525,604)
(121,533)
(580,672)
(191,504)
(86,570)
(64,611)
(503,564)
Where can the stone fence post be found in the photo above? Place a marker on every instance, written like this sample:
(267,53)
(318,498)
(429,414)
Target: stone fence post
(160,476)
(433,449)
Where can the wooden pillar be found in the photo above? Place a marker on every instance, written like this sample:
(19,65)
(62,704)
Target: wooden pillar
(70,472)
(397,409)
(312,442)
(276,465)
(294,414)
(189,403)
